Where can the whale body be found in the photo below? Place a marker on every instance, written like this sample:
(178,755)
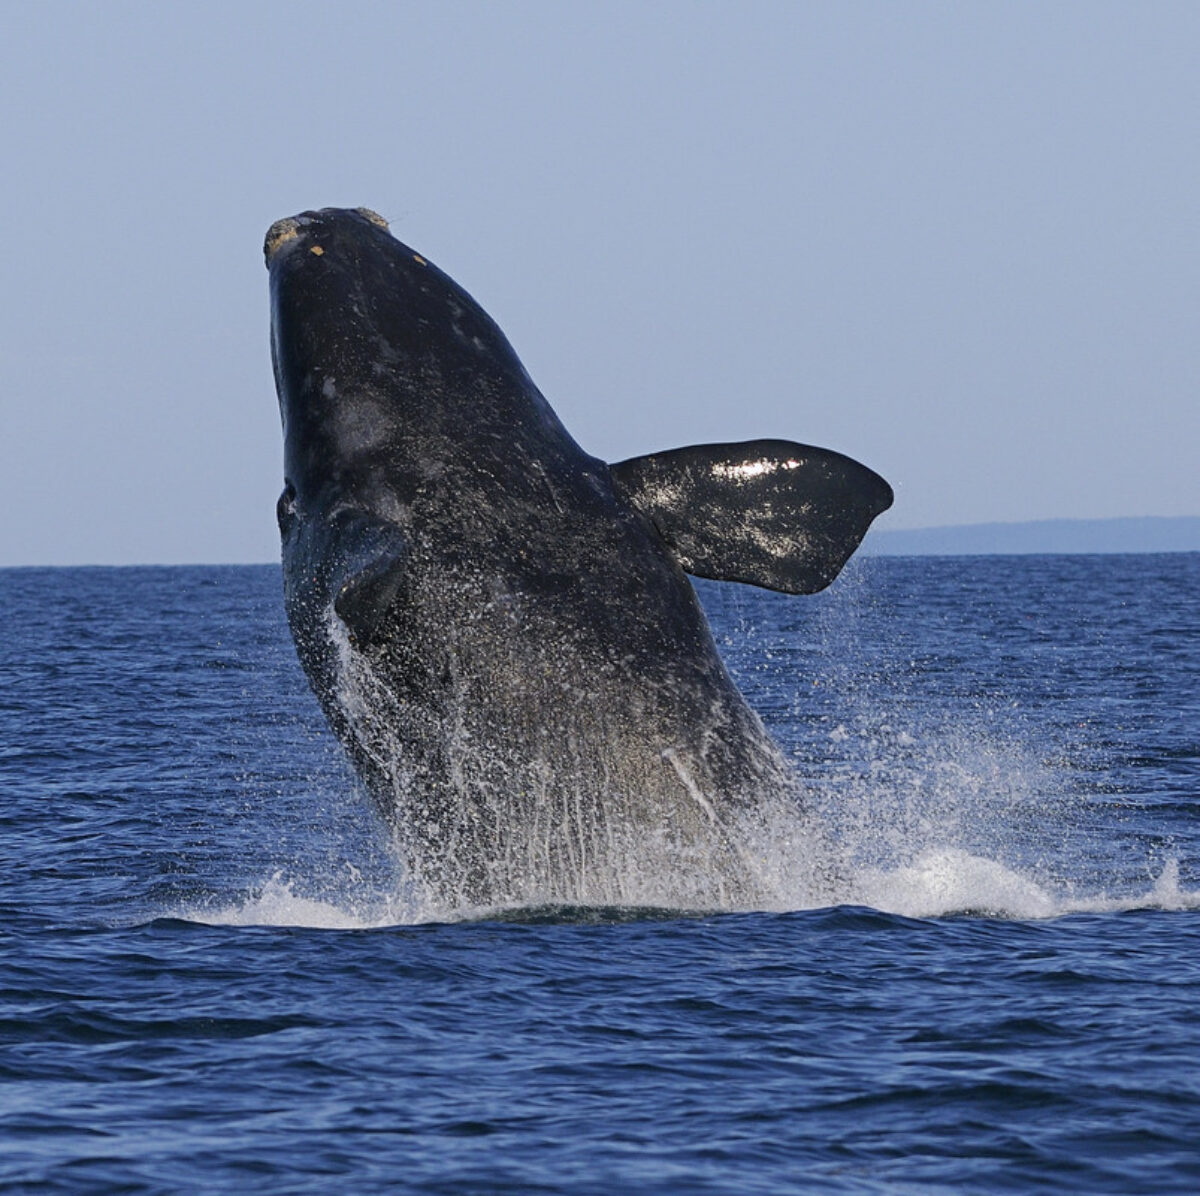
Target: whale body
(498,626)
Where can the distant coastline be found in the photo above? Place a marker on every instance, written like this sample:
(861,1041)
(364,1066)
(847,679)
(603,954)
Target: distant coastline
(1147,534)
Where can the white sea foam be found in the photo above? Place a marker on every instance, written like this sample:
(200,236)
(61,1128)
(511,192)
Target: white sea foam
(939,882)
(924,826)
(279,903)
(950,881)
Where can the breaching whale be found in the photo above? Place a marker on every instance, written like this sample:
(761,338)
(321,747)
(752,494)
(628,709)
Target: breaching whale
(497,625)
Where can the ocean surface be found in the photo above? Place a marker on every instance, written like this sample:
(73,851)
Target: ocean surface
(213,975)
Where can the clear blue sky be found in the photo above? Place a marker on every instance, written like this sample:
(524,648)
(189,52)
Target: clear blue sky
(959,241)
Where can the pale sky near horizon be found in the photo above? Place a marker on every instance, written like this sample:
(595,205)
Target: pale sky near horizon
(958,241)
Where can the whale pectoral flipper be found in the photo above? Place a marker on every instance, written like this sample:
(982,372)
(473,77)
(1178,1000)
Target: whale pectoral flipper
(770,513)
(371,575)
(366,597)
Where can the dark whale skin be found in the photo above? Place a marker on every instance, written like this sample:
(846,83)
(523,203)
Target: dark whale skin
(497,625)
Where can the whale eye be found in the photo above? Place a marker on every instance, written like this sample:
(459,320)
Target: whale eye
(285,509)
(374,218)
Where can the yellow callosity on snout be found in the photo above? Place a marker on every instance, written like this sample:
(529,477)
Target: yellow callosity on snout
(279,234)
(373,217)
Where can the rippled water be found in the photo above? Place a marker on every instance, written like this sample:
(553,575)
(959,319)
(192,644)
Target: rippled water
(212,973)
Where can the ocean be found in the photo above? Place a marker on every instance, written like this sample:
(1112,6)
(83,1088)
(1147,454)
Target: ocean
(214,975)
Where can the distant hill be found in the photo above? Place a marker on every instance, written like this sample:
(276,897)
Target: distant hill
(1150,534)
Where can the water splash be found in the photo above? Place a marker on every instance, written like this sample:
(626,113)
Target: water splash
(280,903)
(564,789)
(951,880)
(936,884)
(926,793)
(963,819)
(888,851)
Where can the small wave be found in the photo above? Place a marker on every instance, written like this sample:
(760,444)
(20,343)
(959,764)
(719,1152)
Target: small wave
(949,881)
(1164,894)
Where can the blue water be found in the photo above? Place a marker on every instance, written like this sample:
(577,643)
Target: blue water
(212,974)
